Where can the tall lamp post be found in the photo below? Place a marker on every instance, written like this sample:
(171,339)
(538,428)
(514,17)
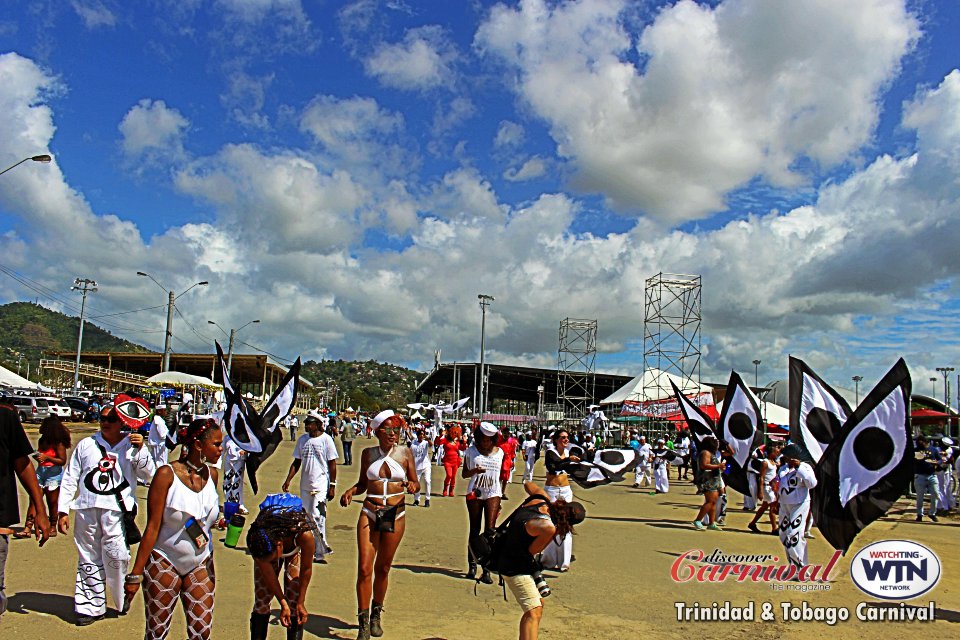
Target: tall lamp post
(485,301)
(44,158)
(856,386)
(933,387)
(171,298)
(756,373)
(233,334)
(84,285)
(945,371)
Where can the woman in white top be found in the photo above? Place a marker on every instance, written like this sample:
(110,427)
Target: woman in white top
(768,494)
(386,472)
(482,463)
(174,561)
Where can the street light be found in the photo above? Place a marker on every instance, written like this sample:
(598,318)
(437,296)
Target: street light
(933,387)
(945,371)
(171,298)
(41,158)
(85,285)
(485,301)
(233,333)
(856,382)
(756,373)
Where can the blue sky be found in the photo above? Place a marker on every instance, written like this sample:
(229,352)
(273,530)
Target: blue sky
(353,174)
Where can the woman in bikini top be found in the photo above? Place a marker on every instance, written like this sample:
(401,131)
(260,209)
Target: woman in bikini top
(386,472)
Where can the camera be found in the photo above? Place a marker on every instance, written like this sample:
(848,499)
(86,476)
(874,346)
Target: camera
(542,585)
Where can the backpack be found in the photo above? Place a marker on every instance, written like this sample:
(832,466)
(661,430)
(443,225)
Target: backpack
(486,548)
(284,500)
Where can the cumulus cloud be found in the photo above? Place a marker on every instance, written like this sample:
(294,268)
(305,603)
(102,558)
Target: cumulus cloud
(713,101)
(153,132)
(424,59)
(534,167)
(509,135)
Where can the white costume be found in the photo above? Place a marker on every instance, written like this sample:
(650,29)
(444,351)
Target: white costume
(660,467)
(89,487)
(421,461)
(642,471)
(157,442)
(315,454)
(233,461)
(487,484)
(529,458)
(794,494)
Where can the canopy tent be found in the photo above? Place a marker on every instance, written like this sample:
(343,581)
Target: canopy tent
(636,389)
(10,379)
(181,380)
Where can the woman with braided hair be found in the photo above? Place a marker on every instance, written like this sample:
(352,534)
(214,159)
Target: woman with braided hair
(175,561)
(281,539)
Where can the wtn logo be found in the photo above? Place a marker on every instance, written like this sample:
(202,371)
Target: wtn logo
(903,570)
(895,569)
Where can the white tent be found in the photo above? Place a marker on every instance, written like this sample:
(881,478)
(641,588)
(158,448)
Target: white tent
(10,379)
(636,389)
(178,379)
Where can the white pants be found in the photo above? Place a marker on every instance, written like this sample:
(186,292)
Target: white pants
(315,504)
(423,477)
(642,475)
(661,477)
(750,502)
(793,521)
(233,480)
(103,559)
(529,463)
(947,501)
(558,553)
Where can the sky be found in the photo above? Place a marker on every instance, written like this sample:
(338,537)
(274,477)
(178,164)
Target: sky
(354,174)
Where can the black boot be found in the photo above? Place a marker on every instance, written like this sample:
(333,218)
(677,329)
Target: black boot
(258,626)
(472,571)
(486,578)
(375,629)
(363,618)
(294,632)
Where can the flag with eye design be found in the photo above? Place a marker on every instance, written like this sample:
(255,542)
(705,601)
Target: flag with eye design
(869,464)
(256,432)
(740,425)
(816,410)
(700,424)
(132,409)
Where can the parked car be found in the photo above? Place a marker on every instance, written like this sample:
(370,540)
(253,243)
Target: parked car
(31,409)
(59,407)
(78,408)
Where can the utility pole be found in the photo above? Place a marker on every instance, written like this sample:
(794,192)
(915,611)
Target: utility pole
(84,285)
(856,384)
(945,371)
(485,301)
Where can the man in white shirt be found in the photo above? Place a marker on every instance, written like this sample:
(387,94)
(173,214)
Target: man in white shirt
(103,470)
(529,456)
(421,461)
(644,455)
(317,454)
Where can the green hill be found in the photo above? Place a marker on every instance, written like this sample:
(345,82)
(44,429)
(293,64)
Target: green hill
(369,385)
(28,330)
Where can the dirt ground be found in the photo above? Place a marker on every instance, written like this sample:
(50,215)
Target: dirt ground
(619,587)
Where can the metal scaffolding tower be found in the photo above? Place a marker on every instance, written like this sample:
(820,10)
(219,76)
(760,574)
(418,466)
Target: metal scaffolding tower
(576,361)
(671,333)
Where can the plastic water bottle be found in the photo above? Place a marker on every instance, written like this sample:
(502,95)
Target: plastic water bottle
(233,530)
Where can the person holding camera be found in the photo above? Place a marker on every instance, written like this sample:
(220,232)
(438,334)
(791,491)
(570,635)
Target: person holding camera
(531,528)
(925,466)
(98,484)
(174,560)
(386,472)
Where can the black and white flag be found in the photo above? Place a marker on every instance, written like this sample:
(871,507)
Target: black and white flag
(869,465)
(816,410)
(700,424)
(740,422)
(600,467)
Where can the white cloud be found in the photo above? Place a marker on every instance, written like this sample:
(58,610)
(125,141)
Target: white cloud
(152,132)
(725,94)
(245,97)
(533,168)
(94,13)
(509,134)
(423,60)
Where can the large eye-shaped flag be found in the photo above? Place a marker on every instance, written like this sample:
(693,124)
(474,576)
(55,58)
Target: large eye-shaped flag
(600,467)
(869,464)
(739,425)
(816,410)
(700,424)
(256,432)
(132,409)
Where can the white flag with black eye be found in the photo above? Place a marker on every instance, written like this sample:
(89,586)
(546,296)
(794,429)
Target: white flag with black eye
(869,464)
(816,410)
(740,419)
(699,423)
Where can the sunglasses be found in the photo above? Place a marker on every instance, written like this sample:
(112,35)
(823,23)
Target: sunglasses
(110,418)
(390,430)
